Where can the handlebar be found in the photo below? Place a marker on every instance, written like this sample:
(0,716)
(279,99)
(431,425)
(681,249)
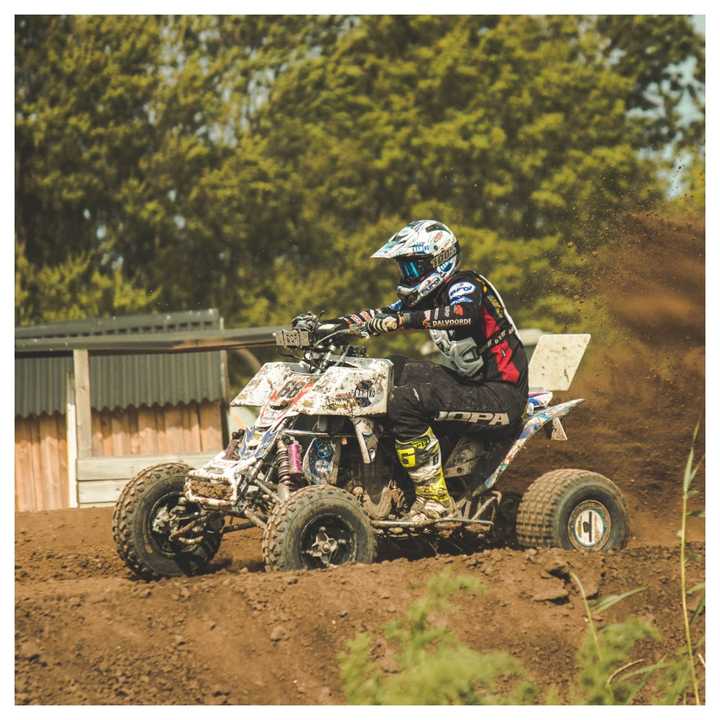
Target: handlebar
(302,338)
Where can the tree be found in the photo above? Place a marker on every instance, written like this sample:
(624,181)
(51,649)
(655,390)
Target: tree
(254,163)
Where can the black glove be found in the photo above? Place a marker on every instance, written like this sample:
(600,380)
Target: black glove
(380,325)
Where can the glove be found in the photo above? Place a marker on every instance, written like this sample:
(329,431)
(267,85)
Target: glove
(380,324)
(358,318)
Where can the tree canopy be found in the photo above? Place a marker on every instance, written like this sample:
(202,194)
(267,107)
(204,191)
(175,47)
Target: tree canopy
(254,163)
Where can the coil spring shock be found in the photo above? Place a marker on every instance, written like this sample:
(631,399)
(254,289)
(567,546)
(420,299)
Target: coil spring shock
(283,460)
(289,459)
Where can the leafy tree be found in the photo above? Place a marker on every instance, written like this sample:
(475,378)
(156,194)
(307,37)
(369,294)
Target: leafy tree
(513,130)
(665,60)
(254,163)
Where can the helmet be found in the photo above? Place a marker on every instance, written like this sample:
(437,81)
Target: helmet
(427,253)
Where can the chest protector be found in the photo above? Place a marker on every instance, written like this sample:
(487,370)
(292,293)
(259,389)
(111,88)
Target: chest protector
(465,356)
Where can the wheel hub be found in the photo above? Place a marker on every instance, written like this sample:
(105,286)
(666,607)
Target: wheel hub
(169,519)
(589,525)
(324,546)
(161,521)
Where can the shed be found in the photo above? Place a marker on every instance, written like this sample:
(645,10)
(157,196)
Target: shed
(142,405)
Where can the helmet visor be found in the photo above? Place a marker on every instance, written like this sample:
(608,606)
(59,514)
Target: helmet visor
(413,269)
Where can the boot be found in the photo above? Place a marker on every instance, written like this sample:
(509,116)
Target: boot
(422,460)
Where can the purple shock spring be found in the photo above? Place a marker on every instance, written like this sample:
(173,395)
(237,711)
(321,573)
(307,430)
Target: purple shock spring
(295,458)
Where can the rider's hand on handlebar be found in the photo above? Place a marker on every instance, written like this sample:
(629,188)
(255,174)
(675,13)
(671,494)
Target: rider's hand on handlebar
(380,324)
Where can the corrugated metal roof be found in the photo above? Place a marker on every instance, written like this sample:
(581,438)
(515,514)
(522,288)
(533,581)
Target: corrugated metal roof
(123,380)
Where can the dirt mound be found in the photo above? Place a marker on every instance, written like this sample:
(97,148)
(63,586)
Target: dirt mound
(88,633)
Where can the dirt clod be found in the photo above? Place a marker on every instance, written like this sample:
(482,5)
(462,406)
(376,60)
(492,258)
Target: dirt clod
(551,591)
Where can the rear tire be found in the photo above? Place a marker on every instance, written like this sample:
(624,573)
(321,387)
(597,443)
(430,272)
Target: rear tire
(573,509)
(141,549)
(318,526)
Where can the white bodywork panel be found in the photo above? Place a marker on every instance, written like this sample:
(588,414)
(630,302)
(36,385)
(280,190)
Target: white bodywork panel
(354,391)
(556,360)
(270,377)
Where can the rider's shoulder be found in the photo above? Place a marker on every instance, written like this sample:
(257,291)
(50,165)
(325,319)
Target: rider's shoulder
(464,282)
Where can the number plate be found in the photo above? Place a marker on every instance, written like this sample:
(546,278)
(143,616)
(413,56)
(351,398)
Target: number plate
(292,338)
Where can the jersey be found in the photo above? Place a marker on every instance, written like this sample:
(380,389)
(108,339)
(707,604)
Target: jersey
(467,320)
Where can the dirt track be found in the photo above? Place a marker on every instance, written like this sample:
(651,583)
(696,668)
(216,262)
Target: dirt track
(87,633)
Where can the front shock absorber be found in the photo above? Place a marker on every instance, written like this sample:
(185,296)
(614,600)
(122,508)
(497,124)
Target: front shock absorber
(289,459)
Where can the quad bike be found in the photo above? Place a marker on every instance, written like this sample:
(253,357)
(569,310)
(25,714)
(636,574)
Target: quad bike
(317,472)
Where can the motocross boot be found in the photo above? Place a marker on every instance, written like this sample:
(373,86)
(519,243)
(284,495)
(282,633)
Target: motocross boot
(421,458)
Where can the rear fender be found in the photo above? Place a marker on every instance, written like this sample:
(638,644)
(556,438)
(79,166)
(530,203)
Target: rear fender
(531,427)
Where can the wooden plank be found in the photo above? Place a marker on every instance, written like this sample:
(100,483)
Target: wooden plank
(120,433)
(162,438)
(23,465)
(81,370)
(118,468)
(38,496)
(194,419)
(133,430)
(173,428)
(107,434)
(147,432)
(191,443)
(100,492)
(71,448)
(49,458)
(97,432)
(210,426)
(60,431)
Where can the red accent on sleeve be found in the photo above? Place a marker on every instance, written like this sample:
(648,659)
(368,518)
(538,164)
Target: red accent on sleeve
(502,352)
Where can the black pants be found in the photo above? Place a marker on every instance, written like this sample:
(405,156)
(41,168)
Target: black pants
(426,394)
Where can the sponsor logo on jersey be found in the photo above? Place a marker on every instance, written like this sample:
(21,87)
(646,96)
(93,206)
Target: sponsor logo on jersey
(473,417)
(451,323)
(460,289)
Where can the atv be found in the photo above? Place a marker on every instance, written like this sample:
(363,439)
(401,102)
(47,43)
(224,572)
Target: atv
(317,471)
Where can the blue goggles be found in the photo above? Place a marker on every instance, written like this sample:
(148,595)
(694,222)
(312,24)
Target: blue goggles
(415,268)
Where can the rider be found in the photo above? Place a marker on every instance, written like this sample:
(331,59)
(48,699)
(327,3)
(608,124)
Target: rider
(483,378)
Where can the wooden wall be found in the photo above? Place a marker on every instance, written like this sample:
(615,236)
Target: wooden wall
(41,463)
(169,429)
(41,449)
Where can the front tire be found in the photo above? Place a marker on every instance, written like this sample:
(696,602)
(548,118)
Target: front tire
(142,548)
(318,526)
(573,509)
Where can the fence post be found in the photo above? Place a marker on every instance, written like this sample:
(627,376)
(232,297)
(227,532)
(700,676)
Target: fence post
(71,434)
(81,371)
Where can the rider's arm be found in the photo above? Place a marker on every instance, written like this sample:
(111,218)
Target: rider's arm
(363,316)
(447,317)
(464,310)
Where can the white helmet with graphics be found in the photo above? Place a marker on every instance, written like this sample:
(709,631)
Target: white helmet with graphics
(427,253)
